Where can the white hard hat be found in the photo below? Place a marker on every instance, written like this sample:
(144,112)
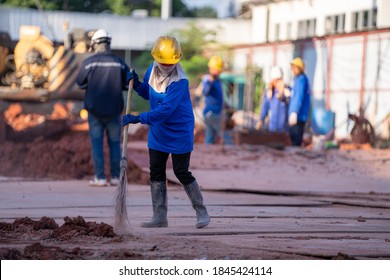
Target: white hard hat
(276,73)
(101,36)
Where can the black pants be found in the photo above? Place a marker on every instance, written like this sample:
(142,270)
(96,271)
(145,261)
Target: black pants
(296,133)
(158,164)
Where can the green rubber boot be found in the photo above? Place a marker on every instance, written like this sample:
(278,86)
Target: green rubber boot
(196,198)
(158,191)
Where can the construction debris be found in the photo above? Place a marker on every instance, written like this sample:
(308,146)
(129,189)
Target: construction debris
(66,155)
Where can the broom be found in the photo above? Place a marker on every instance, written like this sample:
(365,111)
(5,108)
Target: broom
(121,219)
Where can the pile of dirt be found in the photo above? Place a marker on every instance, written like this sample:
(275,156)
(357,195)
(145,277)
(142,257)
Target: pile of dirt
(77,239)
(63,156)
(48,146)
(71,227)
(78,226)
(21,126)
(47,230)
(20,121)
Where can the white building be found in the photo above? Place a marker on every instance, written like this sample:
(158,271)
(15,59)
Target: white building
(296,19)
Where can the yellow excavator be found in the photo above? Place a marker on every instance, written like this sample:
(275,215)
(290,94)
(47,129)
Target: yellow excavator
(38,74)
(38,70)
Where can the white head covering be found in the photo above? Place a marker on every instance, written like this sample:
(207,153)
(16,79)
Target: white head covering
(162,76)
(276,73)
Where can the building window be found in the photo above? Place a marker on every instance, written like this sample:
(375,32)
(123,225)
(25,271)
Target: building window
(301,29)
(306,28)
(355,21)
(277,32)
(362,20)
(288,31)
(365,19)
(374,15)
(335,24)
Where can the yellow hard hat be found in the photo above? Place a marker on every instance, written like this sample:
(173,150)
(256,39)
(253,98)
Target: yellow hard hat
(216,63)
(166,50)
(298,62)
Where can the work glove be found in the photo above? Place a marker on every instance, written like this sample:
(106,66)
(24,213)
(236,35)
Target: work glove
(133,75)
(293,119)
(128,118)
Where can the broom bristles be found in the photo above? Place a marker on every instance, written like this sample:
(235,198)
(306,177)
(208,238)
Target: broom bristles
(121,218)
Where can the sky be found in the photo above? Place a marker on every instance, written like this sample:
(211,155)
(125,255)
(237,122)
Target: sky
(221,6)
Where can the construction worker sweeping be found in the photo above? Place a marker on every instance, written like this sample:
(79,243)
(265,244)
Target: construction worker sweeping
(171,131)
(299,103)
(103,76)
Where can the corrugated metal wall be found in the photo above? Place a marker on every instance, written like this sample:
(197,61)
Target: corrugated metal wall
(128,33)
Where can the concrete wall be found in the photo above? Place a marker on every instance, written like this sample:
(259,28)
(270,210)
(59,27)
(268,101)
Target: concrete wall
(383,13)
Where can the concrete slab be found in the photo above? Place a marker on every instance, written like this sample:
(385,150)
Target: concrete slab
(264,225)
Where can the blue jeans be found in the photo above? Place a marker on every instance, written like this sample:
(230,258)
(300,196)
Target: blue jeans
(97,127)
(213,127)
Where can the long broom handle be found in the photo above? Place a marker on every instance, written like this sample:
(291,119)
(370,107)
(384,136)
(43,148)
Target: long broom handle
(128,110)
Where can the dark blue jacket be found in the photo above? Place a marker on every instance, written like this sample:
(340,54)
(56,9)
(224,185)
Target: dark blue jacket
(171,117)
(213,94)
(276,109)
(103,75)
(300,98)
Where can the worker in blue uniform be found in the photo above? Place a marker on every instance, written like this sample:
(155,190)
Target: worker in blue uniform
(212,92)
(275,103)
(171,128)
(300,102)
(103,76)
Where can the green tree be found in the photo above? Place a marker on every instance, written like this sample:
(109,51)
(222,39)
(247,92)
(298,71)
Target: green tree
(194,39)
(179,9)
(204,12)
(120,7)
(49,5)
(92,6)
(259,87)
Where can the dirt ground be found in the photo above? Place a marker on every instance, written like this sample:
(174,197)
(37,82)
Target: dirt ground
(66,156)
(54,146)
(77,239)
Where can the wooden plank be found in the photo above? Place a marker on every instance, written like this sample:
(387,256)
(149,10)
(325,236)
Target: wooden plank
(36,94)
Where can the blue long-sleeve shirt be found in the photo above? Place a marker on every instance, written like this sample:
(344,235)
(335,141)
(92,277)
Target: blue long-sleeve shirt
(103,75)
(276,109)
(212,91)
(300,98)
(171,117)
